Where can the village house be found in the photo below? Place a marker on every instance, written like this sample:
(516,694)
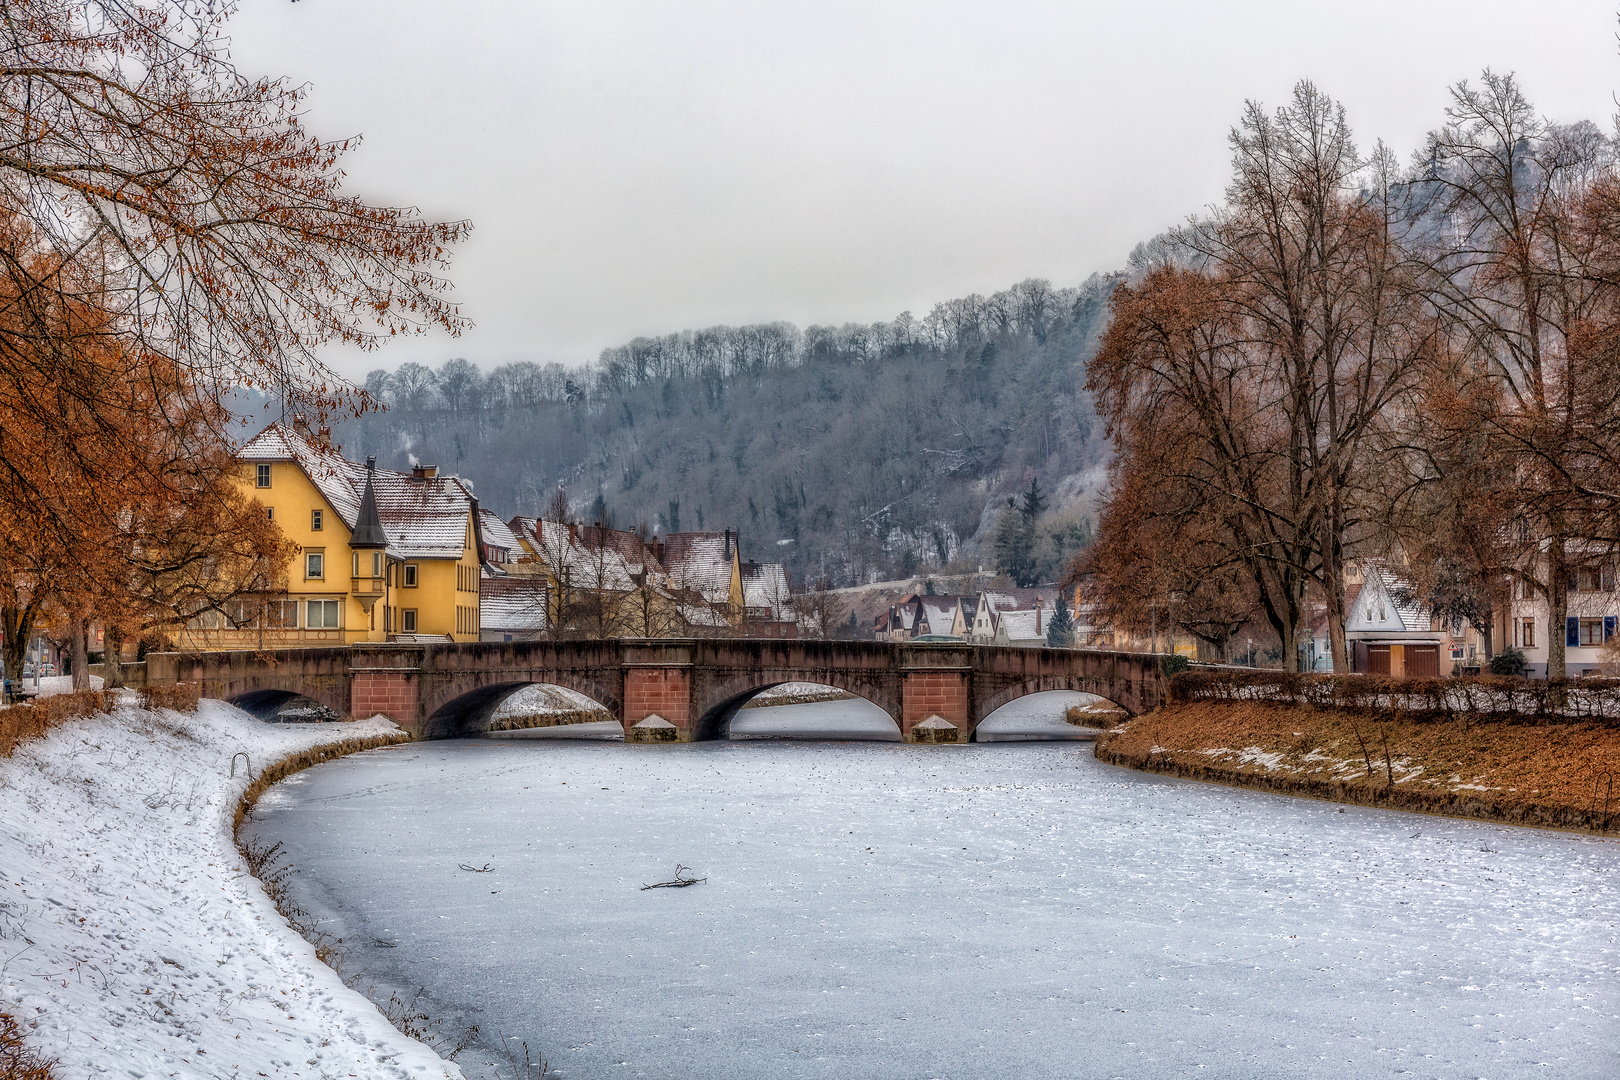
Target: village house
(1389,631)
(514,591)
(987,608)
(1024,627)
(381,555)
(613,582)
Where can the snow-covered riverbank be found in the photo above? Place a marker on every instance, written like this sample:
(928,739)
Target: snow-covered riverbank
(134,942)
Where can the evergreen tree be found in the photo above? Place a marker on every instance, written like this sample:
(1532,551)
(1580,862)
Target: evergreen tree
(1060,630)
(1015,542)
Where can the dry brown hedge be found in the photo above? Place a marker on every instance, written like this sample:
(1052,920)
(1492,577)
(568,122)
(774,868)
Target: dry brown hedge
(1494,697)
(181,697)
(21,722)
(18,1062)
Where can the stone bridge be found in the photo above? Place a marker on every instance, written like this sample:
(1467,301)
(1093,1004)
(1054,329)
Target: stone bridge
(676,690)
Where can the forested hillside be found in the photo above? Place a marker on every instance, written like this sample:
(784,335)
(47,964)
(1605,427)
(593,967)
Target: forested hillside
(851,453)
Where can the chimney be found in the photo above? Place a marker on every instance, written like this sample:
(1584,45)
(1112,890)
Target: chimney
(371,463)
(728,543)
(1037,615)
(572,528)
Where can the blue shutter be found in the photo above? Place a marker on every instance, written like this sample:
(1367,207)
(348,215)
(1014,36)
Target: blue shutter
(1609,625)
(1572,632)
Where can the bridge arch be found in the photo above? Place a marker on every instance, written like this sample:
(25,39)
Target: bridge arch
(470,711)
(1085,684)
(267,703)
(715,721)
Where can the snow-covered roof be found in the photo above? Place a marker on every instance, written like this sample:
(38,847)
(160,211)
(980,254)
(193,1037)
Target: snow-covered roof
(701,562)
(425,517)
(1018,626)
(512,604)
(497,534)
(940,613)
(602,568)
(765,585)
(1387,602)
(638,557)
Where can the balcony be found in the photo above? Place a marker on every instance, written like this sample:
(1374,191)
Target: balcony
(367,588)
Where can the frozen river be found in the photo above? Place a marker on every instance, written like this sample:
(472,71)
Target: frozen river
(1001,910)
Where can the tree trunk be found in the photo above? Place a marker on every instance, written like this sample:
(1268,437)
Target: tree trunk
(1557,606)
(1333,592)
(16,627)
(113,658)
(81,654)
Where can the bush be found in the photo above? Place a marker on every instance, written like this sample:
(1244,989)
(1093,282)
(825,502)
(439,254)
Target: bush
(1175,664)
(1508,662)
(1490,696)
(18,1062)
(21,722)
(181,697)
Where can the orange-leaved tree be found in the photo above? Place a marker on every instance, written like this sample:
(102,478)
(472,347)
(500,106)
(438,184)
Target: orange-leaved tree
(170,231)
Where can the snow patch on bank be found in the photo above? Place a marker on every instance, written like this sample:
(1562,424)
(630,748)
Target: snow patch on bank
(134,942)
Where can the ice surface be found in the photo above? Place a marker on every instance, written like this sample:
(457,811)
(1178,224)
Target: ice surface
(851,718)
(955,911)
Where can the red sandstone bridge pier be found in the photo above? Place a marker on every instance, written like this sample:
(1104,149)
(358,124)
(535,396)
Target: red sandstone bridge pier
(661,689)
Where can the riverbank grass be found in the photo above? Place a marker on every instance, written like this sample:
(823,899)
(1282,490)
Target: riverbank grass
(1546,774)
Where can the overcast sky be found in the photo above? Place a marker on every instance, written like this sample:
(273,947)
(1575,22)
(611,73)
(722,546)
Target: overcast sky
(639,167)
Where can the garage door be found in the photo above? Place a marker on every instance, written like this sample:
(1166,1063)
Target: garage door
(1423,661)
(1378,659)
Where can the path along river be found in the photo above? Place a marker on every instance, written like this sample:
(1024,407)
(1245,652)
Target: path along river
(1001,910)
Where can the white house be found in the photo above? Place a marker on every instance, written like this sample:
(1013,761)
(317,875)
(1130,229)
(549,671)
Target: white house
(1388,631)
(1592,621)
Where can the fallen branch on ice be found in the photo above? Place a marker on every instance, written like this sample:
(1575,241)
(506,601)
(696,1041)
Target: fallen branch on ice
(681,880)
(485,869)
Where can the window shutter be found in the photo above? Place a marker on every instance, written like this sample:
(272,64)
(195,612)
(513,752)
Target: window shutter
(1572,632)
(1609,626)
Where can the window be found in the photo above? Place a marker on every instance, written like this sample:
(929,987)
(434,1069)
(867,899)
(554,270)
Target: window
(1591,631)
(1526,590)
(1585,579)
(282,614)
(388,619)
(1527,633)
(270,513)
(410,576)
(376,564)
(407,621)
(321,614)
(1606,578)
(264,476)
(357,564)
(315,564)
(315,520)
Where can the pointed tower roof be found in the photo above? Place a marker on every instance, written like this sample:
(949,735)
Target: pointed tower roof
(368,530)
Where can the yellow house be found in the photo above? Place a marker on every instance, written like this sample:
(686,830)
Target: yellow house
(382,555)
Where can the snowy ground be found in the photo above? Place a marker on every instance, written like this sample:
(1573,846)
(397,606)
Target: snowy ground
(544,699)
(132,940)
(1006,910)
